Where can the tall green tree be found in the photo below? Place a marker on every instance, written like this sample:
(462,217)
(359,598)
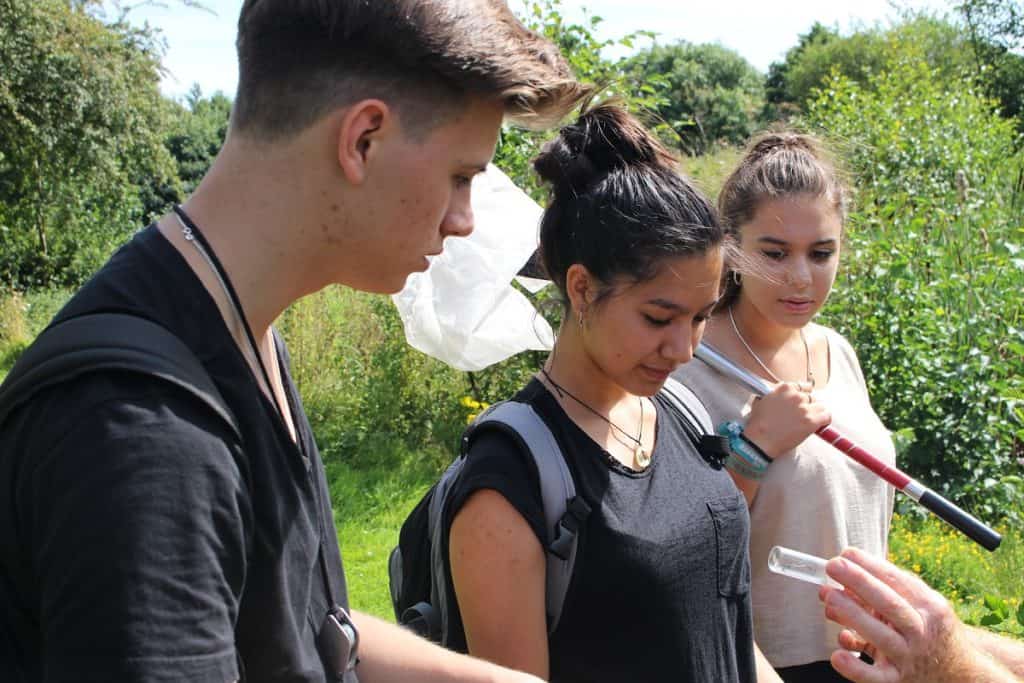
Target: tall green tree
(995,29)
(864,53)
(1000,22)
(81,125)
(196,135)
(709,94)
(780,100)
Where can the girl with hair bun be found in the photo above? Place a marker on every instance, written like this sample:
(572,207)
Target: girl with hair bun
(660,588)
(785,205)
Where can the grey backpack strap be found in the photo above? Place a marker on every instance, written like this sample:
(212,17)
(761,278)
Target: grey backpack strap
(687,403)
(697,423)
(439,598)
(563,510)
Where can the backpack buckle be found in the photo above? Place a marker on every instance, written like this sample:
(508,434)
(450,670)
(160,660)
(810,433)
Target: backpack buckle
(714,449)
(424,620)
(576,512)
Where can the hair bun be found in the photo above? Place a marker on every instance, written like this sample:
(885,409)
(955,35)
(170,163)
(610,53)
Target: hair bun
(603,139)
(770,143)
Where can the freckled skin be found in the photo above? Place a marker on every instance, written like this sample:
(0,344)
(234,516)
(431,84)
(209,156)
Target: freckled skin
(414,194)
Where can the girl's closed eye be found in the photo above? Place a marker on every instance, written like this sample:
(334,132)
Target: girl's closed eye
(773,254)
(657,322)
(822,254)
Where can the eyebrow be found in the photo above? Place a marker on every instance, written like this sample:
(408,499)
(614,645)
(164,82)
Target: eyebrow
(673,306)
(784,243)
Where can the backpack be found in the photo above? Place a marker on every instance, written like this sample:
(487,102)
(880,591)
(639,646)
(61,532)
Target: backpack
(108,341)
(417,567)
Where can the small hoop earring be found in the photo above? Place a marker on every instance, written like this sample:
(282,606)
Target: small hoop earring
(737,279)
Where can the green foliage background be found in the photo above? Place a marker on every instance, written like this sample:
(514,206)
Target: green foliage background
(81,121)
(931,293)
(926,113)
(707,95)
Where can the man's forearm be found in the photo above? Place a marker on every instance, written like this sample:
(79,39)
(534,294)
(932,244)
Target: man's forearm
(389,653)
(1006,651)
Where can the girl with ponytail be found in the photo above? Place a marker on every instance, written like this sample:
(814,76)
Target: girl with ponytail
(660,590)
(785,205)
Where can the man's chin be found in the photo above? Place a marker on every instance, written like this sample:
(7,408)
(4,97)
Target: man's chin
(391,284)
(396,287)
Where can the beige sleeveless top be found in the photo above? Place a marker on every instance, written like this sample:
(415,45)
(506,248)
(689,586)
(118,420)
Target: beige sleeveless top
(814,499)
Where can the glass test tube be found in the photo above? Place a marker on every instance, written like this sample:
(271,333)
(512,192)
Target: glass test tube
(798,565)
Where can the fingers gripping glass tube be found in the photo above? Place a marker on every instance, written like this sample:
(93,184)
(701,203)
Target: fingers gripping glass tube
(798,565)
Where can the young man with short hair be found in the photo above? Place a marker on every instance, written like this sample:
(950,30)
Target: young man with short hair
(143,538)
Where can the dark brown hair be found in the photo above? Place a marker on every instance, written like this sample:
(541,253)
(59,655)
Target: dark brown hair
(300,59)
(619,205)
(777,164)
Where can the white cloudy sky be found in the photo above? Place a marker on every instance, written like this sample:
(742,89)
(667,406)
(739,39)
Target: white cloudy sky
(200,45)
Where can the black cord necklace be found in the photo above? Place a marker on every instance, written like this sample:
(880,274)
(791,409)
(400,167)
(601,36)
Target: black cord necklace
(193,234)
(640,454)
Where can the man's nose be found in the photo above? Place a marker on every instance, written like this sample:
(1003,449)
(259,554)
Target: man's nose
(458,221)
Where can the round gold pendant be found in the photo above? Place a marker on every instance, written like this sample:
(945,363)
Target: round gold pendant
(642,457)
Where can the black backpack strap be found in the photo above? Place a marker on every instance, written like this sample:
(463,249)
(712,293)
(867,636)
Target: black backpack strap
(108,341)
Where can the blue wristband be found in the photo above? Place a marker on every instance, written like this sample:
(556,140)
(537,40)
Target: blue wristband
(746,458)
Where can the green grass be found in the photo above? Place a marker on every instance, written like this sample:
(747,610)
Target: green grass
(960,569)
(709,171)
(22,317)
(370,504)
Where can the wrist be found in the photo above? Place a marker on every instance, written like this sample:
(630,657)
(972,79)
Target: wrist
(754,432)
(746,458)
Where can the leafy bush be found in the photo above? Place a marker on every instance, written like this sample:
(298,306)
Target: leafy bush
(196,135)
(366,391)
(780,100)
(931,294)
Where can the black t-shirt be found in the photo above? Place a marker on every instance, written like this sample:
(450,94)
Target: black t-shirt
(139,540)
(661,584)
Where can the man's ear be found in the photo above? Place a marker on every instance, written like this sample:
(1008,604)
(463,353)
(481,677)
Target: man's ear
(359,133)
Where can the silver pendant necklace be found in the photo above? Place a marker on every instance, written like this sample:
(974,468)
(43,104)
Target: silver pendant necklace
(807,352)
